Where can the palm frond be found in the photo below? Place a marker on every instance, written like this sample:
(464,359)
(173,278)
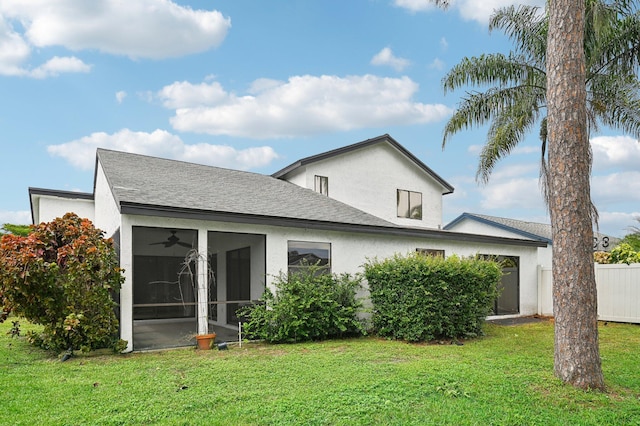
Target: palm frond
(617,51)
(513,86)
(479,108)
(615,102)
(507,130)
(526,26)
(494,69)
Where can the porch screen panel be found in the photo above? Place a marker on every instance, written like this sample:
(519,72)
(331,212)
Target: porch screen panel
(157,282)
(238,280)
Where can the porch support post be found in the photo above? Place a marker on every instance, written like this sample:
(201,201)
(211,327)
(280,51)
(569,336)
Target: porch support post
(203,284)
(126,291)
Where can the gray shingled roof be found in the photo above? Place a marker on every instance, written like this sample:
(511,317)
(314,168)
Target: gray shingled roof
(168,188)
(541,230)
(532,230)
(152,181)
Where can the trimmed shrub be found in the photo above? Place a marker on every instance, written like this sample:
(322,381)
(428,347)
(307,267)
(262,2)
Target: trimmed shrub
(63,276)
(421,298)
(307,305)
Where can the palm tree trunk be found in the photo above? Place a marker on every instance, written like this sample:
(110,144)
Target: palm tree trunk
(576,354)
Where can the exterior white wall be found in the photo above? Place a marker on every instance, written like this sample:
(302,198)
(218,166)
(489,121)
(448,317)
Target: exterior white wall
(349,251)
(49,208)
(107,215)
(474,227)
(470,226)
(368,179)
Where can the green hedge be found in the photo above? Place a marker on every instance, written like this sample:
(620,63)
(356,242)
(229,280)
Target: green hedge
(421,298)
(307,305)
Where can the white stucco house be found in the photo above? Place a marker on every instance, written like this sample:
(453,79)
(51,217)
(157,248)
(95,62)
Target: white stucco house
(511,228)
(366,200)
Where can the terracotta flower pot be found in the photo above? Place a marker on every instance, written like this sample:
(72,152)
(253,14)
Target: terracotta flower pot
(205,341)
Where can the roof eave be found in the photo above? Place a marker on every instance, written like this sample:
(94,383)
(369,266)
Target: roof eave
(186,213)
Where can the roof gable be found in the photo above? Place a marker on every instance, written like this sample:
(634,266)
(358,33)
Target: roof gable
(531,230)
(446,187)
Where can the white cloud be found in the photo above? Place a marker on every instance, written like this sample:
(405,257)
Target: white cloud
(516,171)
(616,188)
(527,150)
(437,64)
(57,65)
(136,28)
(470,10)
(414,5)
(81,152)
(621,152)
(386,57)
(444,44)
(263,84)
(617,223)
(184,95)
(120,96)
(516,193)
(474,149)
(477,149)
(513,186)
(304,105)
(15,217)
(13,50)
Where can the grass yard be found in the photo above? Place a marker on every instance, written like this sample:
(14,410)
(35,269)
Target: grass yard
(504,378)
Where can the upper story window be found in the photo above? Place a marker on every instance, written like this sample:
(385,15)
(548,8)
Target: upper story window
(322,185)
(302,254)
(409,204)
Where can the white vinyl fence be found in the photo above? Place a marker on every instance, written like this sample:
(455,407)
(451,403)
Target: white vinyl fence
(618,292)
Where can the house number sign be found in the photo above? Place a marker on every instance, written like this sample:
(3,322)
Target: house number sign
(600,244)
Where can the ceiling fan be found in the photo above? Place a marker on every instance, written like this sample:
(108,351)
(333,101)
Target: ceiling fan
(172,240)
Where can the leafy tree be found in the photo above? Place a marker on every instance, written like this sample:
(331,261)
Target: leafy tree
(22,230)
(633,238)
(63,275)
(516,97)
(624,253)
(580,62)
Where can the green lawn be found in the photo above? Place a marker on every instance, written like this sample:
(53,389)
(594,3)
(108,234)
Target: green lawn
(504,378)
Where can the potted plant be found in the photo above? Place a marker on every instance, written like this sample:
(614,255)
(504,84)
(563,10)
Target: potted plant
(205,341)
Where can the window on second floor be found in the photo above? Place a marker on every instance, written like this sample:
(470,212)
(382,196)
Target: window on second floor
(409,204)
(322,185)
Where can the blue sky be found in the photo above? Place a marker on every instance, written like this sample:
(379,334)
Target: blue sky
(256,85)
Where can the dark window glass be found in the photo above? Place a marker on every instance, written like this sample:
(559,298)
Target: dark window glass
(301,254)
(431,252)
(409,204)
(322,185)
